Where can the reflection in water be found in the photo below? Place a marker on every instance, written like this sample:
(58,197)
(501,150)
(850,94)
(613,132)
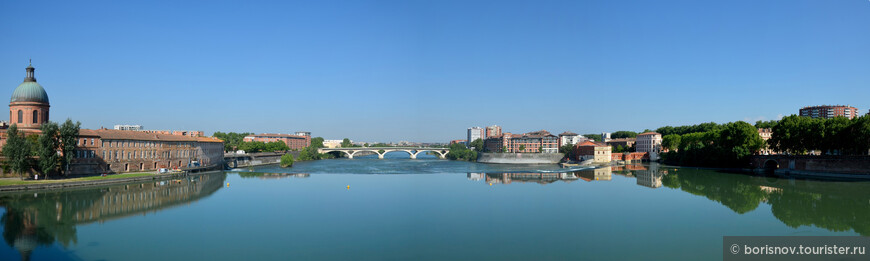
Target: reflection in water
(542,178)
(649,177)
(33,219)
(266,175)
(835,206)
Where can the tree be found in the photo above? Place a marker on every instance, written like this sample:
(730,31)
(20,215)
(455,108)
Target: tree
(623,134)
(858,135)
(595,137)
(48,142)
(671,141)
(232,140)
(458,151)
(346,143)
(287,160)
(477,145)
(522,148)
(17,151)
(69,134)
(765,124)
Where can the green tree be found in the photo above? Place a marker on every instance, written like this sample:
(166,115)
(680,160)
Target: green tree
(69,134)
(671,141)
(232,140)
(287,160)
(857,136)
(522,148)
(17,151)
(33,139)
(458,151)
(49,142)
(765,124)
(623,134)
(595,137)
(346,143)
(477,145)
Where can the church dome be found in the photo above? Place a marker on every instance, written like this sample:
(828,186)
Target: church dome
(29,90)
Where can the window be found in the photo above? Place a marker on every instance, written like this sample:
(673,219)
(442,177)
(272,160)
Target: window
(20,116)
(35,116)
(45,116)
(92,142)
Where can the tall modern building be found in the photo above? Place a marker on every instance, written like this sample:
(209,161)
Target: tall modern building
(493,131)
(829,111)
(129,127)
(474,133)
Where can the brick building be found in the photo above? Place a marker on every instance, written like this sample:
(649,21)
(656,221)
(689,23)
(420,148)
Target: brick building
(492,131)
(598,152)
(114,151)
(111,151)
(829,111)
(295,142)
(532,142)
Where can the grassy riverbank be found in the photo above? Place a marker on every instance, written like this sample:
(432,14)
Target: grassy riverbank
(16,181)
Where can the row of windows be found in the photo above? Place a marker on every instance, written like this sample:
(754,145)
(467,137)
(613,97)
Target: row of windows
(148,154)
(35,116)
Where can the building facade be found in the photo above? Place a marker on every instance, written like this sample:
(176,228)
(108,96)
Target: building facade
(532,142)
(112,151)
(829,111)
(570,138)
(650,142)
(492,131)
(295,142)
(596,151)
(473,134)
(116,151)
(624,142)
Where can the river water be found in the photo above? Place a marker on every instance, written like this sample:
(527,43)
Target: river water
(426,209)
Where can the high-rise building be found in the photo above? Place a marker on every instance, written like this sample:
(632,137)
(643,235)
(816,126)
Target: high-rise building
(474,133)
(492,131)
(829,111)
(129,127)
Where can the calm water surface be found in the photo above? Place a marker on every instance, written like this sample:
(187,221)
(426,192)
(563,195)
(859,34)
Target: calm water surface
(426,209)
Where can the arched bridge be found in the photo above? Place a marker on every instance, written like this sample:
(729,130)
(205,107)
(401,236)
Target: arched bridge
(413,151)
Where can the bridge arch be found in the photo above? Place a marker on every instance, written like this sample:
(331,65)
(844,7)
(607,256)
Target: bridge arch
(442,154)
(770,165)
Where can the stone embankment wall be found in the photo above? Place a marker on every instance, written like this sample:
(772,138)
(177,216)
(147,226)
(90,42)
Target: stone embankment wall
(520,158)
(819,164)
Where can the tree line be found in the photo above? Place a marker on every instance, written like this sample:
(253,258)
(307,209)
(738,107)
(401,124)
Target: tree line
(836,136)
(40,151)
(726,145)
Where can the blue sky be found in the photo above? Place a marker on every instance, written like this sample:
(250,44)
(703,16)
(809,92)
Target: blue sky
(427,70)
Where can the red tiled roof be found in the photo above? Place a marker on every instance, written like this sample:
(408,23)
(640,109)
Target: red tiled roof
(649,133)
(138,135)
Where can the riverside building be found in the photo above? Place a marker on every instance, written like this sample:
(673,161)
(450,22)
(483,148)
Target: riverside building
(295,142)
(829,111)
(111,151)
(532,142)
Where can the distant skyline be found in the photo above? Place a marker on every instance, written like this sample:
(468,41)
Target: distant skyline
(387,71)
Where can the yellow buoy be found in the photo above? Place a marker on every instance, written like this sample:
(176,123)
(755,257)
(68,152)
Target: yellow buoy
(348,187)
(228,184)
(490,184)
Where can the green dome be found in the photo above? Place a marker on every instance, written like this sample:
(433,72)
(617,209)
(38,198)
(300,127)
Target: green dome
(29,92)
